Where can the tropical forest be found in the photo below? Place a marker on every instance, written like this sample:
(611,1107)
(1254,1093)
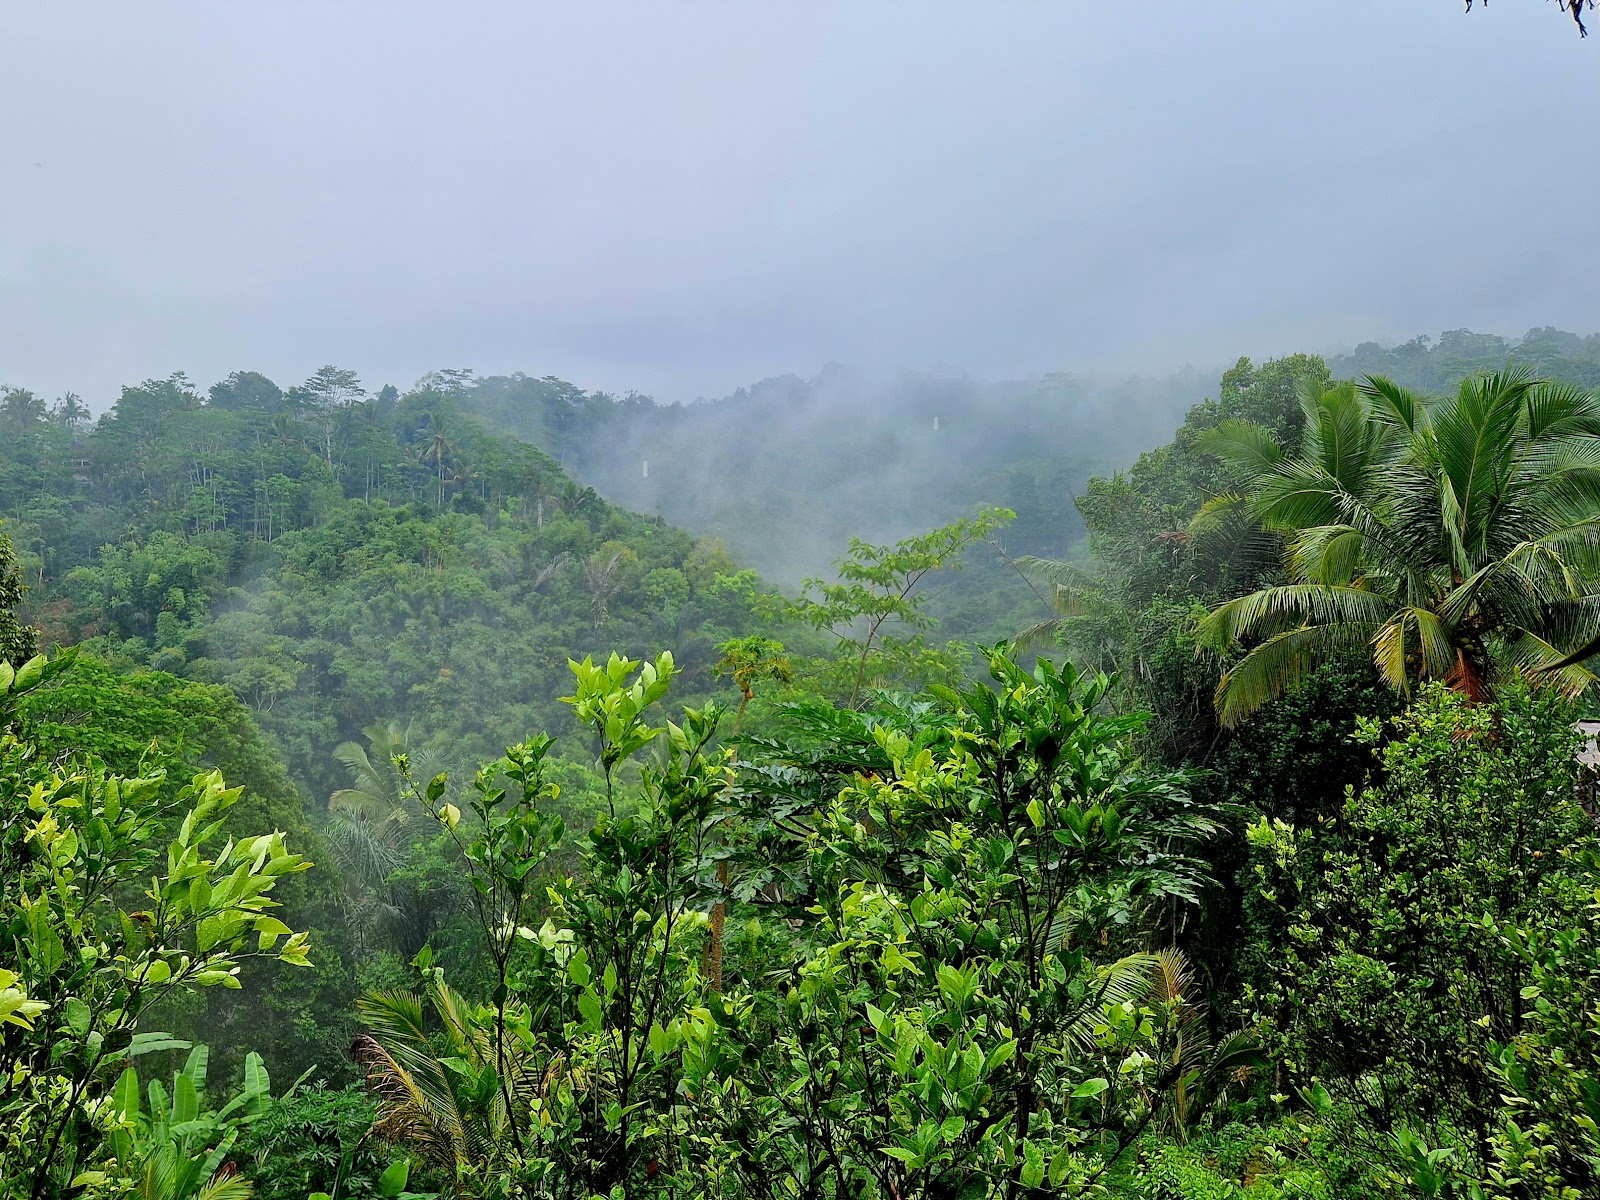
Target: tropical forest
(799,602)
(389,813)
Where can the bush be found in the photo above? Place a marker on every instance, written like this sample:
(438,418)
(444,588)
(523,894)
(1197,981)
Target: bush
(1434,956)
(294,1147)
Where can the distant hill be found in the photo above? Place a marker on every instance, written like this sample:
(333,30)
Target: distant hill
(343,560)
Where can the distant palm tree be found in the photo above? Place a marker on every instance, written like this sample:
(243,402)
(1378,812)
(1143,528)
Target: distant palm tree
(372,822)
(71,412)
(285,430)
(1446,537)
(601,573)
(21,411)
(435,450)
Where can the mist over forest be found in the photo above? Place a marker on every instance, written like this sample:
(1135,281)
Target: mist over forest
(801,601)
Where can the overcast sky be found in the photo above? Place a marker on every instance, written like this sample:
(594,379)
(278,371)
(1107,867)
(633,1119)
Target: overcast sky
(680,198)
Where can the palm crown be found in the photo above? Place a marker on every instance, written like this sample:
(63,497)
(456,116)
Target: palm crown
(1449,537)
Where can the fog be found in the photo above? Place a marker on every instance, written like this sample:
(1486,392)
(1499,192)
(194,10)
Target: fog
(684,198)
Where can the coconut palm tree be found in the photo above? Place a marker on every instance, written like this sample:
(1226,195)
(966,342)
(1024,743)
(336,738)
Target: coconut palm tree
(1450,538)
(21,412)
(71,412)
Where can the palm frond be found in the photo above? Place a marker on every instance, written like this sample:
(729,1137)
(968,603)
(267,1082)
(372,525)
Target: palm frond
(1126,979)
(1413,636)
(1278,665)
(1328,554)
(1394,405)
(1245,448)
(1545,665)
(1275,610)
(1561,410)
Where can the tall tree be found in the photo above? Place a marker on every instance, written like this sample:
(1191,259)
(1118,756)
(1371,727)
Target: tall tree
(1447,537)
(20,410)
(246,391)
(70,412)
(17,641)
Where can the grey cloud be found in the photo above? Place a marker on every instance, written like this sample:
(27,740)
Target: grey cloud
(680,198)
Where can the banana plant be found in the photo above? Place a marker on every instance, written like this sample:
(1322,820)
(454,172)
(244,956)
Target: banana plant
(178,1149)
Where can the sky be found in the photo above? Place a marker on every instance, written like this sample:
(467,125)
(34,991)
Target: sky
(680,198)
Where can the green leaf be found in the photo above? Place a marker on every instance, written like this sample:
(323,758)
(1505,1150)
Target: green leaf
(578,968)
(589,1009)
(185,1099)
(393,1180)
(1059,1165)
(1032,1165)
(154,1043)
(78,1017)
(256,1080)
(125,1097)
(1000,1055)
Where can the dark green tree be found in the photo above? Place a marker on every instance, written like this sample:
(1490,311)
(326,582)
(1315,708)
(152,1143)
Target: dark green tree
(17,641)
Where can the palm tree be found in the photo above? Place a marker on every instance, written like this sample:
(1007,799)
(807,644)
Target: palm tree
(1201,1070)
(446,1095)
(601,573)
(20,410)
(372,822)
(436,448)
(1448,538)
(71,412)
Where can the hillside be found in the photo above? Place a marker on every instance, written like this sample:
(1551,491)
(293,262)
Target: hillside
(344,561)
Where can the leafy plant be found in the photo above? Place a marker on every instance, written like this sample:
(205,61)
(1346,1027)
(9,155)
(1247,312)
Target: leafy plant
(875,594)
(178,1148)
(1414,930)
(77,844)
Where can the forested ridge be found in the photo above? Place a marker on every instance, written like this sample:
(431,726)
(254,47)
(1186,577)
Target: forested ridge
(571,858)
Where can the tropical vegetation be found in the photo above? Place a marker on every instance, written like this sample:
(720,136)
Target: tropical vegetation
(387,814)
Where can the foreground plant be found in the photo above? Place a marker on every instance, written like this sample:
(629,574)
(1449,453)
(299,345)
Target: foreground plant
(1431,975)
(962,1011)
(178,1148)
(952,1030)
(104,912)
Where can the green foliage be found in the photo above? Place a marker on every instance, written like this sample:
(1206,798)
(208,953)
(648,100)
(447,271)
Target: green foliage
(939,1024)
(17,641)
(1138,521)
(874,596)
(1286,1160)
(1401,974)
(178,1148)
(313,1140)
(78,850)
(140,722)
(1432,365)
(1135,607)
(334,558)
